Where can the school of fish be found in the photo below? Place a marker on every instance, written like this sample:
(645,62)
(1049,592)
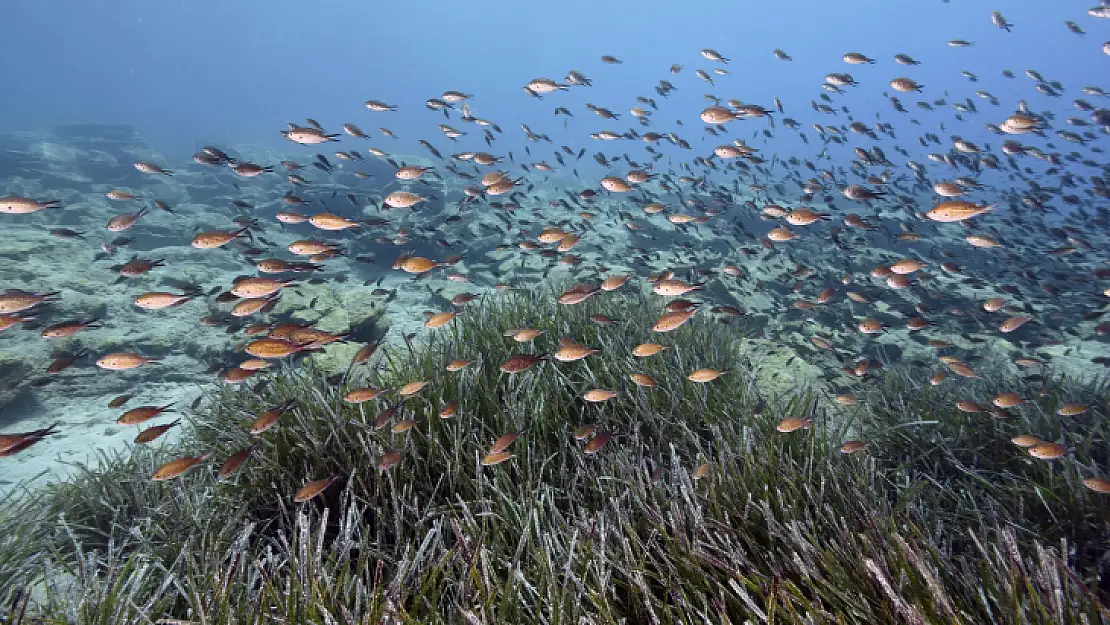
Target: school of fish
(848,246)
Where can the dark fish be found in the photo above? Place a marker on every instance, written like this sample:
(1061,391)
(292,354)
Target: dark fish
(66,233)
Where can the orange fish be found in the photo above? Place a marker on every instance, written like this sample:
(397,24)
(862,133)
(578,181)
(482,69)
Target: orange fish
(612,283)
(956,210)
(791,424)
(157,300)
(235,375)
(119,400)
(383,419)
(1013,323)
(359,395)
(438,320)
(412,388)
(673,320)
(390,459)
(1048,451)
(851,447)
(597,442)
(312,489)
(268,419)
(307,247)
(232,464)
(520,362)
(644,350)
(11,444)
(218,238)
(458,365)
(175,468)
(141,413)
(702,376)
(122,361)
(137,267)
(258,287)
(248,307)
(273,348)
(19,301)
(496,458)
(503,443)
(578,294)
(417,265)
(570,351)
(65,361)
(329,221)
(8,320)
(364,353)
(69,328)
(154,432)
(598,395)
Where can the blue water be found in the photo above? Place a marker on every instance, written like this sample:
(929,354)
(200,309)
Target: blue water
(190,73)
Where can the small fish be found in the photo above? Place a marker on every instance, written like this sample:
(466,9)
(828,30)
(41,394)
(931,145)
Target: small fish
(313,489)
(234,463)
(119,400)
(175,468)
(141,414)
(11,444)
(153,432)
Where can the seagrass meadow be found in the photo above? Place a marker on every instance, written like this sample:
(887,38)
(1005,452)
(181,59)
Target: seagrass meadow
(695,509)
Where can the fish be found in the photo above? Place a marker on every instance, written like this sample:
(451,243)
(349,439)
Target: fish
(16,205)
(218,238)
(123,361)
(141,414)
(67,329)
(154,432)
(11,444)
(175,468)
(14,301)
(315,488)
